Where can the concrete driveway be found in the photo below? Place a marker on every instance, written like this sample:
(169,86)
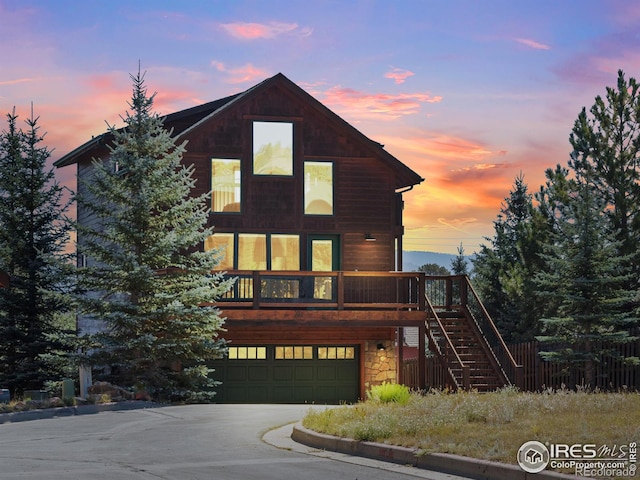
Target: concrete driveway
(194,442)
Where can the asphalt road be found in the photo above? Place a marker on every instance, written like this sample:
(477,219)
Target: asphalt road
(195,442)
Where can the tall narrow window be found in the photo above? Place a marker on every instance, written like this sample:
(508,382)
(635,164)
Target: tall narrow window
(225,185)
(318,188)
(272,148)
(285,252)
(224,243)
(252,251)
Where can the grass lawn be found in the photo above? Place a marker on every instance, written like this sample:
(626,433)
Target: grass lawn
(489,426)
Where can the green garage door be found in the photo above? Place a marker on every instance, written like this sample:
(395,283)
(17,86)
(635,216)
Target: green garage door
(288,374)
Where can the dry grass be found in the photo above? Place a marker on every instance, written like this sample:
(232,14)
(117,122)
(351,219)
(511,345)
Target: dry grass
(489,426)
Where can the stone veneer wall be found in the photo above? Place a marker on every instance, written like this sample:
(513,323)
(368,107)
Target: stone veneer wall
(379,365)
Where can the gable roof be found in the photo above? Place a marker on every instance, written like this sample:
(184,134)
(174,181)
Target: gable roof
(186,121)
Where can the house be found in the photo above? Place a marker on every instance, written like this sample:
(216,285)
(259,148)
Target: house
(308,211)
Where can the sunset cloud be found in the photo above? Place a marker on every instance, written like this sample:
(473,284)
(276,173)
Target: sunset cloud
(246,73)
(389,106)
(440,146)
(256,31)
(532,44)
(399,75)
(16,81)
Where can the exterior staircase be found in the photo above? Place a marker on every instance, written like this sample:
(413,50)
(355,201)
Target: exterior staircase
(465,350)
(477,367)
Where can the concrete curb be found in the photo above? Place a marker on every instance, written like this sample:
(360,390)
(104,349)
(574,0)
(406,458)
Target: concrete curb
(13,417)
(438,462)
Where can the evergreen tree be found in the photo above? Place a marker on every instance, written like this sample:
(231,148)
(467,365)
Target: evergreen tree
(34,345)
(585,278)
(153,287)
(434,269)
(459,264)
(606,147)
(504,270)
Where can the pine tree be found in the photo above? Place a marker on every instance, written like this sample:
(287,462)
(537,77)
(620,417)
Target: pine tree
(585,278)
(34,344)
(606,146)
(504,270)
(152,285)
(459,263)
(434,269)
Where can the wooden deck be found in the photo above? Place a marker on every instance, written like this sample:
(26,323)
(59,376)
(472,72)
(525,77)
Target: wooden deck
(465,349)
(391,299)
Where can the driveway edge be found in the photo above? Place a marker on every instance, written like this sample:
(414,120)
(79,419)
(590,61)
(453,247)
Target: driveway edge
(13,417)
(438,462)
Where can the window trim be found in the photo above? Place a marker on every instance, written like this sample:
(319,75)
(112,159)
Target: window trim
(241,193)
(268,248)
(333,189)
(293,148)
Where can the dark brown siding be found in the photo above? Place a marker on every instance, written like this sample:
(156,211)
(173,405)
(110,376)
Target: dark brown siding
(364,198)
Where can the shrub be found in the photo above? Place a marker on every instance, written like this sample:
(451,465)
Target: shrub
(389,393)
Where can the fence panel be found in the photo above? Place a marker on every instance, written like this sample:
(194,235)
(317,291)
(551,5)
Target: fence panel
(611,373)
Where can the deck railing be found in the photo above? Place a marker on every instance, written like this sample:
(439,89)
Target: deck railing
(511,369)
(440,344)
(330,290)
(448,293)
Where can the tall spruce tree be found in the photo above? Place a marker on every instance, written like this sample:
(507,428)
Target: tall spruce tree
(584,280)
(606,147)
(34,229)
(152,286)
(504,270)
(459,263)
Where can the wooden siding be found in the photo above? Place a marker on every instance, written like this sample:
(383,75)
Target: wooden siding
(311,335)
(364,195)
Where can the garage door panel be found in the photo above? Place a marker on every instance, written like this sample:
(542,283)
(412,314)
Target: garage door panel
(258,374)
(304,379)
(303,394)
(326,372)
(304,373)
(236,373)
(282,394)
(282,373)
(346,372)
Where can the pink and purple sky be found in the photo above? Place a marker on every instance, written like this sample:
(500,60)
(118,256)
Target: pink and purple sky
(468,93)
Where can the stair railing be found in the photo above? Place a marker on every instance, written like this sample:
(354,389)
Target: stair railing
(442,346)
(511,370)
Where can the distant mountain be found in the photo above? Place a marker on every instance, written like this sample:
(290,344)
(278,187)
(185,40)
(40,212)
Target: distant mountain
(412,260)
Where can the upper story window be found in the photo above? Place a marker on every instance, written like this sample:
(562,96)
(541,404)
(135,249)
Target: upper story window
(318,188)
(273,148)
(225,185)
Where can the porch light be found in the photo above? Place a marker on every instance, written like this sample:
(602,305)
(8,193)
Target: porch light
(380,346)
(369,238)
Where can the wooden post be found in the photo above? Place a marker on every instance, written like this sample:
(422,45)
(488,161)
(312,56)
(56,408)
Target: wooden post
(464,292)
(422,357)
(257,289)
(400,355)
(340,289)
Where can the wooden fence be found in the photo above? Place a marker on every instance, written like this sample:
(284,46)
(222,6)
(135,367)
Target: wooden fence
(611,373)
